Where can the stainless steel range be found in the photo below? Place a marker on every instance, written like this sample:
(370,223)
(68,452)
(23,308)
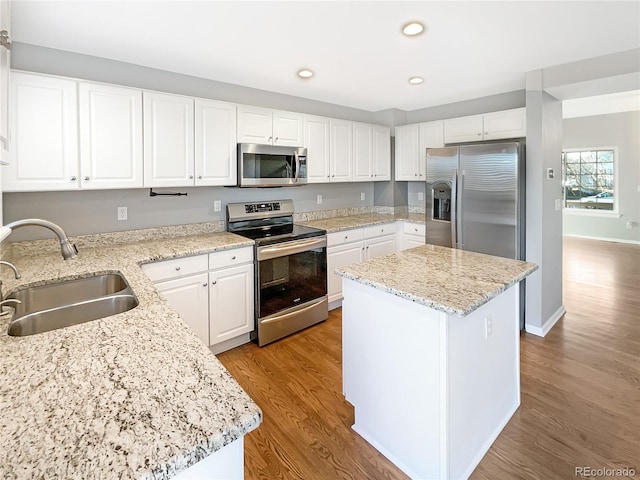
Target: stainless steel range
(290,268)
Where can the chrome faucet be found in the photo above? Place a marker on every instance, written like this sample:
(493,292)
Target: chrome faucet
(67,248)
(17,275)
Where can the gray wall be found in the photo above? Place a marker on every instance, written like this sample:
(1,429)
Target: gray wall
(619,130)
(95,212)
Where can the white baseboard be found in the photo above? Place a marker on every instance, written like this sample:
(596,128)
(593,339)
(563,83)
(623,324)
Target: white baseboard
(604,239)
(548,325)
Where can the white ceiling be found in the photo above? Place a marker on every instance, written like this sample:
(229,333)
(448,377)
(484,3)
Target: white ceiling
(361,60)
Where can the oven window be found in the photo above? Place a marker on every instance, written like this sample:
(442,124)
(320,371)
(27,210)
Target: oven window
(292,280)
(267,166)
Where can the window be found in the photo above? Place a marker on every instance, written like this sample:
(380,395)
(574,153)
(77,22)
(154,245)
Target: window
(588,179)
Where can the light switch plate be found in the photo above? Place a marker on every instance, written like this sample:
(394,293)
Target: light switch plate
(362,196)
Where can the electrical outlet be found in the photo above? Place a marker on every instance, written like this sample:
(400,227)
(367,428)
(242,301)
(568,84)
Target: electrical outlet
(488,326)
(122,213)
(362,196)
(217,205)
(631,225)
(420,196)
(319,199)
(550,173)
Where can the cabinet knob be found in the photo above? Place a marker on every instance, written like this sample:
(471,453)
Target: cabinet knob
(333,175)
(178,268)
(214,282)
(479,133)
(233,258)
(415,174)
(86,179)
(205,284)
(346,236)
(191,177)
(270,138)
(199,177)
(486,133)
(416,229)
(73,179)
(277,139)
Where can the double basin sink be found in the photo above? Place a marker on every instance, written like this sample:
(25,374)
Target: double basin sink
(57,305)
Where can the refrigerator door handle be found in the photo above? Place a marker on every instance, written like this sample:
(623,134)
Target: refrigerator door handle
(459,229)
(454,209)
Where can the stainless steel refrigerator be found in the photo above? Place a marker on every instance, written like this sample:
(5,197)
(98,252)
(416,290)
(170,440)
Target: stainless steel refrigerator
(475,201)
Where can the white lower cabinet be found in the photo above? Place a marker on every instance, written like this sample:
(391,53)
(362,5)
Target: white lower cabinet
(190,297)
(230,303)
(353,246)
(411,235)
(212,293)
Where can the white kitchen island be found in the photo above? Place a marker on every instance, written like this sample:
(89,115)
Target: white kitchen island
(431,355)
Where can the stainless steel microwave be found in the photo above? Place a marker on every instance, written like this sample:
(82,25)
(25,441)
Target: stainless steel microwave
(271,166)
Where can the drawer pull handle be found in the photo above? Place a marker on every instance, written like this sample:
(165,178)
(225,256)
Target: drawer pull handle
(177,268)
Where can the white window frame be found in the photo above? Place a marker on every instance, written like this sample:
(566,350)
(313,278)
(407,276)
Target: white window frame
(616,187)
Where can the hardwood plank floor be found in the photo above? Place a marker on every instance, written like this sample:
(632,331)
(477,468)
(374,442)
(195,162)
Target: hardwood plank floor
(580,389)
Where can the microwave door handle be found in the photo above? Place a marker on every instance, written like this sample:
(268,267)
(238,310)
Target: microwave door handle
(297,167)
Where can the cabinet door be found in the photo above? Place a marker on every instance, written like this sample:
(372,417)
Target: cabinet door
(362,152)
(316,138)
(407,153)
(288,129)
(230,303)
(168,140)
(341,150)
(339,257)
(5,65)
(190,298)
(44,147)
(377,247)
(463,129)
(255,125)
(431,136)
(506,124)
(381,153)
(216,147)
(110,137)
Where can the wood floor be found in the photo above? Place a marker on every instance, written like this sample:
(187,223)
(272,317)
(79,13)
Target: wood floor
(580,389)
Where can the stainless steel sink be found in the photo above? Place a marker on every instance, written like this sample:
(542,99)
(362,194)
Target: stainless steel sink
(62,304)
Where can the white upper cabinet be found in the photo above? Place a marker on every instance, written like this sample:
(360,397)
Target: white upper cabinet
(316,136)
(490,126)
(506,124)
(341,156)
(110,136)
(44,145)
(407,152)
(381,153)
(168,140)
(371,153)
(362,152)
(215,143)
(288,129)
(270,127)
(5,63)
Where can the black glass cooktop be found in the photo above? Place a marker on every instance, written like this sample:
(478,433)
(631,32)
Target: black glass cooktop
(280,233)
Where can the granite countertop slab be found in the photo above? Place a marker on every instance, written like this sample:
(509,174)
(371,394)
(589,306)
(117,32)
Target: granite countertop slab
(453,281)
(338,224)
(134,395)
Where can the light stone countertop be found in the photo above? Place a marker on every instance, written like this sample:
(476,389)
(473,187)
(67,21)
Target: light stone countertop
(453,281)
(338,224)
(134,395)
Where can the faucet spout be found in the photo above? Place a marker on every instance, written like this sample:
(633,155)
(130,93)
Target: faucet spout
(67,248)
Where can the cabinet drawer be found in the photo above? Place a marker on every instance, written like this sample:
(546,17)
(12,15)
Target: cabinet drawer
(345,236)
(415,229)
(175,268)
(379,230)
(229,258)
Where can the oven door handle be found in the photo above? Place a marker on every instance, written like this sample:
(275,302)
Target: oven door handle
(289,248)
(297,174)
(298,311)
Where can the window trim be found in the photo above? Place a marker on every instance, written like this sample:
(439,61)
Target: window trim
(615,213)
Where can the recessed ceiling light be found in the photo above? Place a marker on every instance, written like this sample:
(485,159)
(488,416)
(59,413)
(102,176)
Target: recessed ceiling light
(305,73)
(413,28)
(416,80)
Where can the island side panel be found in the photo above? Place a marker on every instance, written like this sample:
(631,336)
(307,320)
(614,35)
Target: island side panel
(484,379)
(392,376)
